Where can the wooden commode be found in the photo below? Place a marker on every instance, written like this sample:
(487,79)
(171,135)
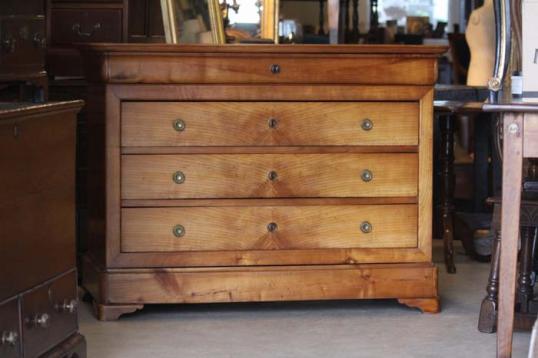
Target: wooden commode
(259,173)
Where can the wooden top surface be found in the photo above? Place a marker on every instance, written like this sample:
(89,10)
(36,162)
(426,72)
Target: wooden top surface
(9,110)
(412,50)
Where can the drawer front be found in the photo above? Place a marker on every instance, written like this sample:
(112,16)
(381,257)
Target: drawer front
(49,314)
(268,228)
(86,25)
(226,68)
(23,44)
(10,331)
(268,175)
(269,123)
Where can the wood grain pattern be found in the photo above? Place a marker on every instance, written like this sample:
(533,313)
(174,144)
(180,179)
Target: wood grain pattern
(242,176)
(425,177)
(220,69)
(267,92)
(246,228)
(248,124)
(426,305)
(315,196)
(530,145)
(37,202)
(273,284)
(511,201)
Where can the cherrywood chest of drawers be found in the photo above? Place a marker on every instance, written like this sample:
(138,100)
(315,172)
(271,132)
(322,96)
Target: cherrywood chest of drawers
(38,281)
(259,173)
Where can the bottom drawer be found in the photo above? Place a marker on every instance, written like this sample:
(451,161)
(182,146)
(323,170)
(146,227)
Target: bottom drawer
(10,332)
(49,314)
(268,228)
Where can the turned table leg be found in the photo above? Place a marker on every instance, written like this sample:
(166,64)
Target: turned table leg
(487,321)
(447,192)
(524,284)
(511,201)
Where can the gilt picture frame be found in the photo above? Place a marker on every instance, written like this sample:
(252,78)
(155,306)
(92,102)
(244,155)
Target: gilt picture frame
(193,21)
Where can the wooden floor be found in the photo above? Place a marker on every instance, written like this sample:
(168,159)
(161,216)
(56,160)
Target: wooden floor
(366,329)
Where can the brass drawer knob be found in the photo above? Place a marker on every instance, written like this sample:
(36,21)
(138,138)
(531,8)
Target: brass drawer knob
(179,230)
(275,69)
(9,338)
(67,306)
(273,175)
(40,320)
(178,177)
(179,125)
(367,175)
(367,124)
(272,227)
(273,123)
(366,227)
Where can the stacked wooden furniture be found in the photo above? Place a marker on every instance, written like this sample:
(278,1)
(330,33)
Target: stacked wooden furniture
(79,21)
(262,173)
(38,286)
(22,49)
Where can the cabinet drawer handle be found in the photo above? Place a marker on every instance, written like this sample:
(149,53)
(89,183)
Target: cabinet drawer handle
(366,227)
(67,306)
(178,177)
(367,175)
(275,69)
(40,320)
(179,125)
(178,230)
(367,124)
(9,338)
(77,29)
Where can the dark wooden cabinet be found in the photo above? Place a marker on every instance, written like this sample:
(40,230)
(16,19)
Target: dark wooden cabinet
(22,45)
(80,21)
(38,287)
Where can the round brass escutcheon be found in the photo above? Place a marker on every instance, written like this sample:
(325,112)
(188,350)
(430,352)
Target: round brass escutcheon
(366,227)
(272,175)
(179,230)
(272,227)
(178,177)
(179,125)
(367,124)
(367,175)
(273,123)
(275,69)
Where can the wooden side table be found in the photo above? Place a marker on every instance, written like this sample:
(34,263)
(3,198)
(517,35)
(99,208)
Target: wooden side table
(520,128)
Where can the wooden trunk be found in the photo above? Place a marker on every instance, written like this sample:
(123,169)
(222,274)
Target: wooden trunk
(259,173)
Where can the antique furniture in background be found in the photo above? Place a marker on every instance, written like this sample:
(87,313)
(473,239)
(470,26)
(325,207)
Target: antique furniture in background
(38,284)
(193,21)
(526,303)
(253,176)
(22,50)
(79,21)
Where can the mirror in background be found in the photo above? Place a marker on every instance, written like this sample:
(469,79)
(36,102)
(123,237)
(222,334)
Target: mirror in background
(250,21)
(192,21)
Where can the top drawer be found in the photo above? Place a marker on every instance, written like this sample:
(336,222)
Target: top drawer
(86,25)
(269,123)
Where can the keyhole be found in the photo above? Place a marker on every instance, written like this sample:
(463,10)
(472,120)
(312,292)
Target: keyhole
(272,227)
